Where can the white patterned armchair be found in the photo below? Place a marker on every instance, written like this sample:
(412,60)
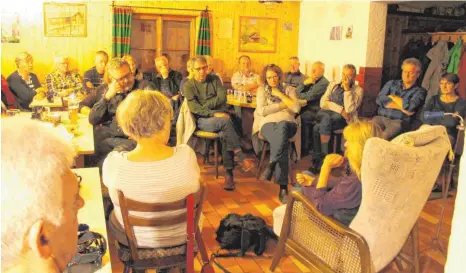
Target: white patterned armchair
(397,178)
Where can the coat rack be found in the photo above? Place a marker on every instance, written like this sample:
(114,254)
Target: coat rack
(447,36)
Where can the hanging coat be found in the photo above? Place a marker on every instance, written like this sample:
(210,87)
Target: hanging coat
(439,58)
(455,55)
(462,75)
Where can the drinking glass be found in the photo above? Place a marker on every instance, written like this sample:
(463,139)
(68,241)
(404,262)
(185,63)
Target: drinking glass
(12,112)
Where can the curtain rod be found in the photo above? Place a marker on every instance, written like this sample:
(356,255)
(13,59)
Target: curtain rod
(124,6)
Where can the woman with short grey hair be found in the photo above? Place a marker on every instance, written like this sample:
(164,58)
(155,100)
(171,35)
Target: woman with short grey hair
(153,172)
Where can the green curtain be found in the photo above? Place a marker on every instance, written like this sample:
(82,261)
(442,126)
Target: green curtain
(121,31)
(203,38)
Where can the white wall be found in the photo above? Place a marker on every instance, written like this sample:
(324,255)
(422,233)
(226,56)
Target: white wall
(316,22)
(455,259)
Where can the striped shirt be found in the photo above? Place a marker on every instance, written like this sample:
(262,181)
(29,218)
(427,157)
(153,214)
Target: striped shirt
(162,181)
(56,83)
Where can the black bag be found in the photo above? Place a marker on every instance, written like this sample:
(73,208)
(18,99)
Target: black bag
(92,246)
(243,232)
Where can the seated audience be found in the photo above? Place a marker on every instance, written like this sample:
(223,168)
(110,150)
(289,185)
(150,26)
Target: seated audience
(210,67)
(447,101)
(339,197)
(275,119)
(339,104)
(207,102)
(245,79)
(94,77)
(132,64)
(8,98)
(40,198)
(294,77)
(23,83)
(120,82)
(63,81)
(311,91)
(142,174)
(400,100)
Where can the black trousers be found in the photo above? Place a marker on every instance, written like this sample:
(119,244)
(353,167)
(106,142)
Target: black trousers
(277,135)
(228,136)
(308,120)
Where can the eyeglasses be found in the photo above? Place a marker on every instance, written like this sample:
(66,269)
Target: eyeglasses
(80,178)
(200,68)
(272,78)
(123,79)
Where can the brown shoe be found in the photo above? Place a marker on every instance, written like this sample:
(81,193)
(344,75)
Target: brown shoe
(248,164)
(229,182)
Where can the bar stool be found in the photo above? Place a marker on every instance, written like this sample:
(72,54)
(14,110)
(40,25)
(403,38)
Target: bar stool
(209,136)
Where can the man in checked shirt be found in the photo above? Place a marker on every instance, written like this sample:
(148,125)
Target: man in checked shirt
(63,81)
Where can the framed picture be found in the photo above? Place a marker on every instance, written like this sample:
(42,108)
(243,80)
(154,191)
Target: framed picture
(257,34)
(65,20)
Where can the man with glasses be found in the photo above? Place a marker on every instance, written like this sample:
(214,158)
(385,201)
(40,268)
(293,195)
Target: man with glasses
(207,98)
(400,100)
(119,83)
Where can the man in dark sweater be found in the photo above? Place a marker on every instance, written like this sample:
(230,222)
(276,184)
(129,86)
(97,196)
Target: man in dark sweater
(168,82)
(121,83)
(400,100)
(311,91)
(94,77)
(206,98)
(294,77)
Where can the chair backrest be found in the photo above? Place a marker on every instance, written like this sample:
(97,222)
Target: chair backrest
(130,221)
(321,242)
(397,178)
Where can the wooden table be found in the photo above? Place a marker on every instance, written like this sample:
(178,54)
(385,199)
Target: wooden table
(241,103)
(84,142)
(55,105)
(93,213)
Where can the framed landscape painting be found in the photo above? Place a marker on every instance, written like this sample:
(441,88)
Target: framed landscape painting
(257,34)
(65,20)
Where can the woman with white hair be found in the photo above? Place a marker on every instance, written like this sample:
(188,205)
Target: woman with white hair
(63,81)
(23,83)
(142,174)
(40,198)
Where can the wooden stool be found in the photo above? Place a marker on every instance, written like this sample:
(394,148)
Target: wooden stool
(209,136)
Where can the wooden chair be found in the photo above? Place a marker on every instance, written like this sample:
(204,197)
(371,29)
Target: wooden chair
(158,258)
(209,136)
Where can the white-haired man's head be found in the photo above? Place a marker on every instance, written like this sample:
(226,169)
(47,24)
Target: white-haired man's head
(61,63)
(40,198)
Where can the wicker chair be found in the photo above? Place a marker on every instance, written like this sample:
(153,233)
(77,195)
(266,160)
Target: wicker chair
(388,214)
(134,257)
(320,242)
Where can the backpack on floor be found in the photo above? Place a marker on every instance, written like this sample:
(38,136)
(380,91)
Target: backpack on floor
(243,232)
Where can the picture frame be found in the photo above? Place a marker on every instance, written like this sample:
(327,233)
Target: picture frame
(257,34)
(65,19)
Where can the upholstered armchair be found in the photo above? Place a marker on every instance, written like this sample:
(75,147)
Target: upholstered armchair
(397,178)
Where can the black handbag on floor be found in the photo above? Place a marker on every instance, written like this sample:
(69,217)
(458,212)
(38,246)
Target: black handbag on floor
(92,246)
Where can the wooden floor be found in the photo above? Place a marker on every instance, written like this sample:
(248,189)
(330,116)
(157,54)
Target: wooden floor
(260,198)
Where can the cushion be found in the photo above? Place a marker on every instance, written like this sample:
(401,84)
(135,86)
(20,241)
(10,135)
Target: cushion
(205,134)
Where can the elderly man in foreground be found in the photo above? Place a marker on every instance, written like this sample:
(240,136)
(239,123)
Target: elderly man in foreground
(40,198)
